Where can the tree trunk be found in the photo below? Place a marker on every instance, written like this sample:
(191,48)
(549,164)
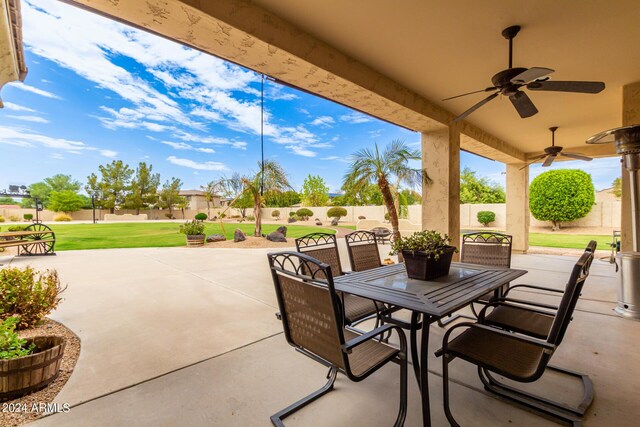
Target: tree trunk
(257,212)
(208,209)
(138,211)
(393,213)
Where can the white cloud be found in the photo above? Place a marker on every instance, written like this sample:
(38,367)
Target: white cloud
(189,137)
(108,153)
(34,119)
(301,151)
(355,118)
(208,166)
(56,156)
(325,121)
(336,158)
(32,89)
(15,107)
(28,138)
(185,146)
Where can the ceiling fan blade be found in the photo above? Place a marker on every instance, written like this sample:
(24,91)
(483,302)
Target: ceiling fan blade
(489,89)
(568,86)
(523,104)
(577,156)
(549,160)
(531,74)
(475,107)
(533,161)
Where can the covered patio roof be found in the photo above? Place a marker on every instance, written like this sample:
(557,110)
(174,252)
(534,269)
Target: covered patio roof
(12,64)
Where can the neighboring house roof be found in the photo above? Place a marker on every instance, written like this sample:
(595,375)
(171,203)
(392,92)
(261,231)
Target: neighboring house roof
(192,193)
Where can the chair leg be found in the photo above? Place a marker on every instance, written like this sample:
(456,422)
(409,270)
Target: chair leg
(445,390)
(276,419)
(402,411)
(569,415)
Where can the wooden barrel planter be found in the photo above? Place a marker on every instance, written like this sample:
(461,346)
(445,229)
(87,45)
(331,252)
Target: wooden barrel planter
(195,240)
(25,374)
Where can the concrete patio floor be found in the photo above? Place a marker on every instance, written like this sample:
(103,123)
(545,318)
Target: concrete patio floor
(188,337)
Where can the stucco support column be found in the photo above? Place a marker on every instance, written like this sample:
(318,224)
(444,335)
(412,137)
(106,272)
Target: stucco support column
(630,116)
(518,206)
(441,198)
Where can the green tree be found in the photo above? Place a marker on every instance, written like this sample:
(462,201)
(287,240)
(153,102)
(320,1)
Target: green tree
(170,195)
(242,203)
(281,199)
(114,186)
(42,190)
(7,201)
(270,178)
(561,195)
(617,187)
(61,182)
(479,190)
(144,188)
(212,190)
(372,166)
(315,191)
(367,195)
(66,201)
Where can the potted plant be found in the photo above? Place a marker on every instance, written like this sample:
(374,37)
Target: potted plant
(194,230)
(27,364)
(427,254)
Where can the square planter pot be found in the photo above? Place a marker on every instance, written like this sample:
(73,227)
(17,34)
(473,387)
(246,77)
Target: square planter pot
(421,267)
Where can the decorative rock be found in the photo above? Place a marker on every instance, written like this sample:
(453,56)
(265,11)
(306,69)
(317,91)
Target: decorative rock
(334,222)
(216,238)
(239,236)
(276,237)
(282,230)
(318,223)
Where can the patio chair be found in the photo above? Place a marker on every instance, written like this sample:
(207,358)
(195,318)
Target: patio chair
(312,325)
(324,247)
(363,250)
(518,357)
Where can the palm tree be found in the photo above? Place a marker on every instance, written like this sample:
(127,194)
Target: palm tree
(211,191)
(381,168)
(270,178)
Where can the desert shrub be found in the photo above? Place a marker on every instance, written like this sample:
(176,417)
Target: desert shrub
(169,216)
(336,212)
(362,217)
(292,214)
(201,216)
(11,346)
(2,218)
(17,227)
(14,218)
(275,214)
(486,217)
(27,217)
(61,217)
(304,213)
(29,294)
(561,195)
(250,218)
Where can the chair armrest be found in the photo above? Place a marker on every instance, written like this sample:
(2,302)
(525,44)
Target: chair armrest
(540,288)
(349,345)
(482,314)
(527,302)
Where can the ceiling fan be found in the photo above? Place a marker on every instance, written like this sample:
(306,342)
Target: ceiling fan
(508,82)
(552,152)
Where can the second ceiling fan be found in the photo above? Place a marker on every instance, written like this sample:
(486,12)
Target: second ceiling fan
(509,82)
(550,153)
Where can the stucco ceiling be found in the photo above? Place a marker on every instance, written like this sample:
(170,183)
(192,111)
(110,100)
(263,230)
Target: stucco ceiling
(447,47)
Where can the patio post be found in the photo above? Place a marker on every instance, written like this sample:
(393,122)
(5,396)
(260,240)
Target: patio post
(630,116)
(518,216)
(441,198)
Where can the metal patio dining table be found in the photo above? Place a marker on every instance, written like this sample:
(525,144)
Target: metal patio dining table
(428,301)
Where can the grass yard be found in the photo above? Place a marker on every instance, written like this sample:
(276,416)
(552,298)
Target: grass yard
(145,235)
(574,241)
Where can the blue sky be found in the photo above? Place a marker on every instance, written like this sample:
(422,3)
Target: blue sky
(98,90)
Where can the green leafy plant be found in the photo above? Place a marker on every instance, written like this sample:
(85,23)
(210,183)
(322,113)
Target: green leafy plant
(275,214)
(192,228)
(292,214)
(561,195)
(250,218)
(11,346)
(17,227)
(432,243)
(2,218)
(304,213)
(28,217)
(201,216)
(29,294)
(14,218)
(336,212)
(486,217)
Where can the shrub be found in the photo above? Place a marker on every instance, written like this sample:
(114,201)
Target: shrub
(234,216)
(486,217)
(2,218)
(192,228)
(362,217)
(62,217)
(275,214)
(336,212)
(304,213)
(201,216)
(29,294)
(28,217)
(14,218)
(386,216)
(250,218)
(11,346)
(17,227)
(292,214)
(170,216)
(561,195)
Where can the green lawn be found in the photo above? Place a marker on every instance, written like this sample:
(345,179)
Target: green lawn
(575,241)
(145,235)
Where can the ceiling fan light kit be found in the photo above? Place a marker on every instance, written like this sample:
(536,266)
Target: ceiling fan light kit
(509,83)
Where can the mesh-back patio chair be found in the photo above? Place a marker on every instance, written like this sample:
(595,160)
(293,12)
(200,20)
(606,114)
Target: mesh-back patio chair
(363,250)
(324,247)
(311,320)
(519,357)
